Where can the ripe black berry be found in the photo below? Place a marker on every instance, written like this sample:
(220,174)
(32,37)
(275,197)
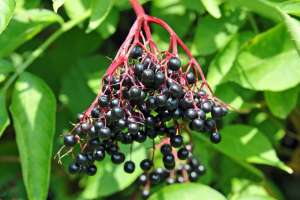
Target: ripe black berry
(191,78)
(135,93)
(129,167)
(154,178)
(146,164)
(81,158)
(206,106)
(198,124)
(176,141)
(143,179)
(169,159)
(136,52)
(117,157)
(138,69)
(117,113)
(190,114)
(166,149)
(216,112)
(133,128)
(215,137)
(91,170)
(70,140)
(74,168)
(183,153)
(174,63)
(105,133)
(99,155)
(103,100)
(148,76)
(175,90)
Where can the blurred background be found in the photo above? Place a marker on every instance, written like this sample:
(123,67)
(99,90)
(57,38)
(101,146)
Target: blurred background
(51,66)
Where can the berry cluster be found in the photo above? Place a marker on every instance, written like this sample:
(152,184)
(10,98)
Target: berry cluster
(147,94)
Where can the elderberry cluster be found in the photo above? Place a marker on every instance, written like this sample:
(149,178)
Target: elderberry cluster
(147,97)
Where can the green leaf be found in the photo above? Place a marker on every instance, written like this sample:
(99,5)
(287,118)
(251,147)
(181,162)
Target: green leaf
(223,61)
(75,8)
(262,63)
(7,8)
(109,25)
(86,77)
(24,27)
(187,191)
(100,10)
(57,4)
(247,144)
(274,11)
(4,119)
(282,103)
(111,178)
(33,111)
(213,34)
(5,68)
(212,7)
(290,6)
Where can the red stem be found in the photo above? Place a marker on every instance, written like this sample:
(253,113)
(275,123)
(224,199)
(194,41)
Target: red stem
(138,9)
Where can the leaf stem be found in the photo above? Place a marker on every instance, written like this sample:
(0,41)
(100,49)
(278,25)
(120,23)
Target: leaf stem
(41,49)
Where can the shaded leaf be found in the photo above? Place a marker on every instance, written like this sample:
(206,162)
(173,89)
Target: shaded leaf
(7,8)
(282,103)
(33,110)
(100,10)
(187,191)
(212,7)
(247,144)
(109,25)
(262,63)
(4,119)
(5,68)
(75,8)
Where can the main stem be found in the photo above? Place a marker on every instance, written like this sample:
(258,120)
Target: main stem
(138,9)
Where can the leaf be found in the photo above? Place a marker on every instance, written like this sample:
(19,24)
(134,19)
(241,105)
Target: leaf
(57,4)
(290,6)
(5,68)
(274,11)
(85,76)
(4,119)
(223,61)
(100,10)
(282,103)
(111,178)
(7,8)
(75,8)
(212,7)
(262,63)
(33,111)
(247,144)
(109,25)
(213,34)
(25,26)
(187,191)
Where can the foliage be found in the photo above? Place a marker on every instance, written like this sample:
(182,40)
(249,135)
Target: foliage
(52,57)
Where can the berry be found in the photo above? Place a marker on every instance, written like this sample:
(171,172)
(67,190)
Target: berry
(103,101)
(133,128)
(121,124)
(154,178)
(136,52)
(216,112)
(81,159)
(161,100)
(117,157)
(168,159)
(175,90)
(174,63)
(143,179)
(166,149)
(140,137)
(134,93)
(190,114)
(206,106)
(145,193)
(190,77)
(215,137)
(138,69)
(70,140)
(193,176)
(74,168)
(99,155)
(183,154)
(105,133)
(159,78)
(148,76)
(198,124)
(117,113)
(146,164)
(176,141)
(91,170)
(129,167)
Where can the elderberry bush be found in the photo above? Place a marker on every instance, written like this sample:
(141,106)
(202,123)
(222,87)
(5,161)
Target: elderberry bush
(147,94)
